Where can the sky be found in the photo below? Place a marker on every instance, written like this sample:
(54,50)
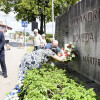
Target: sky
(10,20)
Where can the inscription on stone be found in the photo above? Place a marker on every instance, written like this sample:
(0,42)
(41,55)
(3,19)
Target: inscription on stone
(84,37)
(91,60)
(87,17)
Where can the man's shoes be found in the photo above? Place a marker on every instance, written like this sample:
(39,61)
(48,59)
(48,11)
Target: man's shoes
(5,75)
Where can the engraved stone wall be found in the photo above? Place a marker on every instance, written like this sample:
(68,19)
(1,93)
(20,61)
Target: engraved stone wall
(81,25)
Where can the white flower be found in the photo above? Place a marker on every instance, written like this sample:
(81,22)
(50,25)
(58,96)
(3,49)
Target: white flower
(15,95)
(63,58)
(68,52)
(20,85)
(13,99)
(62,51)
(10,97)
(70,58)
(15,91)
(73,46)
(17,98)
(65,46)
(26,98)
(70,42)
(19,81)
(73,55)
(52,64)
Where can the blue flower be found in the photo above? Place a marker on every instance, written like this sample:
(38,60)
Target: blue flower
(17,86)
(23,78)
(12,93)
(19,90)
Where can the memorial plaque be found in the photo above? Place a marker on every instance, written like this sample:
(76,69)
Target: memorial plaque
(83,28)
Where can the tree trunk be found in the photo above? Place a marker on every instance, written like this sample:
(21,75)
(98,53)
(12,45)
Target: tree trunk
(41,25)
(44,22)
(44,26)
(34,18)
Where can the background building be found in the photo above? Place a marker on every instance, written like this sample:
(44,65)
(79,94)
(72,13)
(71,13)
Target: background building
(3,27)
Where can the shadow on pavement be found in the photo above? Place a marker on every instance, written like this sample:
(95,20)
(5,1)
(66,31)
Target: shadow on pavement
(16,44)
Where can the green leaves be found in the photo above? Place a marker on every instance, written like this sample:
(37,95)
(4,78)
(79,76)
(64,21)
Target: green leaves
(52,83)
(26,8)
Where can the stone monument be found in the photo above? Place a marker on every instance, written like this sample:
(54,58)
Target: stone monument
(81,25)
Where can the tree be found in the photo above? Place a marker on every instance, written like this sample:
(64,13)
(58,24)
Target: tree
(27,34)
(31,9)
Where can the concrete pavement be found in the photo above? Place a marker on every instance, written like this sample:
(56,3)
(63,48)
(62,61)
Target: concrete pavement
(12,58)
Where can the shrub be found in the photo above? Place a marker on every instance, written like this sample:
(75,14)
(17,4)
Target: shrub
(49,35)
(31,38)
(51,83)
(48,40)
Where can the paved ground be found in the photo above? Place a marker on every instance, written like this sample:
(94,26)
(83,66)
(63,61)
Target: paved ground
(12,58)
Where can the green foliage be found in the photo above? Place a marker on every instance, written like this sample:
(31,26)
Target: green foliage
(52,83)
(27,34)
(31,38)
(49,38)
(49,35)
(31,9)
(6,5)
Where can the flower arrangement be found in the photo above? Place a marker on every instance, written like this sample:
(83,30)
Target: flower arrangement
(68,52)
(13,95)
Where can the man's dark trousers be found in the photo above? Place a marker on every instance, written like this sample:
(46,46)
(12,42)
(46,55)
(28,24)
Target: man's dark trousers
(3,65)
(2,54)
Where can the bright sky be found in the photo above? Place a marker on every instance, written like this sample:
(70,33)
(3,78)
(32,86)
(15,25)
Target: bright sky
(17,26)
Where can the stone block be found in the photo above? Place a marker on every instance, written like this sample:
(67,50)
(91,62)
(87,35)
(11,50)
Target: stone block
(81,24)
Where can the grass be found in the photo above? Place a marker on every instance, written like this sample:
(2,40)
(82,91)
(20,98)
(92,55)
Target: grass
(30,49)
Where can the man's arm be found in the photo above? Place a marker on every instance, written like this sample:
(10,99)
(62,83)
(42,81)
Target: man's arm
(57,58)
(2,41)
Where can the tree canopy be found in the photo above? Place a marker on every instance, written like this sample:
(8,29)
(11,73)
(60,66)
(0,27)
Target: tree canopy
(31,9)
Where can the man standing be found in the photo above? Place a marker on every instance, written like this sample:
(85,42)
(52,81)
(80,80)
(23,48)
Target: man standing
(6,34)
(2,54)
(37,40)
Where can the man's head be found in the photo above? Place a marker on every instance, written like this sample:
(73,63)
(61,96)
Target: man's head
(55,43)
(35,31)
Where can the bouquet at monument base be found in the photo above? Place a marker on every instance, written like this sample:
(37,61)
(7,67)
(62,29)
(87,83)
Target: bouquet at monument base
(68,53)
